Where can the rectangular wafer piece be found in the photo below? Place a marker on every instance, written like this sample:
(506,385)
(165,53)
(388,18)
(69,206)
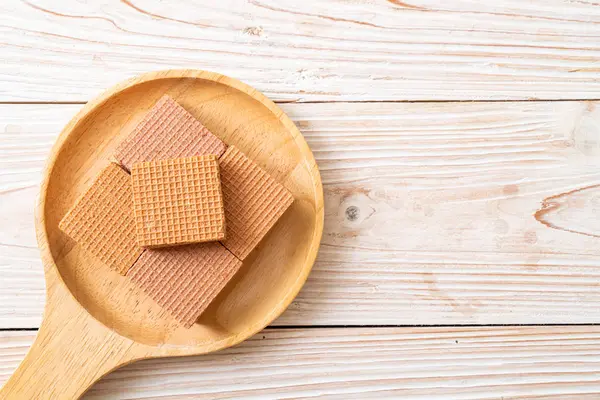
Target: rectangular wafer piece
(167,131)
(178,201)
(254,201)
(185,279)
(101,221)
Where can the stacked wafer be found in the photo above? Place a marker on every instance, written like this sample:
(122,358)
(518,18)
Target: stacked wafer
(178,212)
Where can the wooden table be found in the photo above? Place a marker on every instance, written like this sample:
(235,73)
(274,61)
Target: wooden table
(459,146)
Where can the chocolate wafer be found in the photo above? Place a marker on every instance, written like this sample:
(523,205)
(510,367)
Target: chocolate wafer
(254,201)
(167,131)
(178,201)
(185,279)
(101,221)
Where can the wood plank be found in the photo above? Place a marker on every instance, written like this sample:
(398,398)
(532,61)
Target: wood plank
(435,363)
(308,50)
(437,213)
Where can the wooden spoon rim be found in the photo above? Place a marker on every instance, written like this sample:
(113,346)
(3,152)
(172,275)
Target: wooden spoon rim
(50,268)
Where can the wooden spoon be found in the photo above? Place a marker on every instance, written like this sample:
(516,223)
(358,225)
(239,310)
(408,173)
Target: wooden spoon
(96,320)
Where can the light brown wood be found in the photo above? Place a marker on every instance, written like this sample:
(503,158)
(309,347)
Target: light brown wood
(308,50)
(96,320)
(401,363)
(424,167)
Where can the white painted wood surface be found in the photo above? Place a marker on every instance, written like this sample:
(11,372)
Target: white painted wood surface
(466,213)
(307,50)
(434,363)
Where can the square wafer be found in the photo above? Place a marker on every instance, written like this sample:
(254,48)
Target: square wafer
(101,221)
(178,201)
(185,279)
(167,131)
(254,201)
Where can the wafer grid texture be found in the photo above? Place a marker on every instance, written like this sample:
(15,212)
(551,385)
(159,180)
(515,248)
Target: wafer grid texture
(185,279)
(101,221)
(254,201)
(178,201)
(167,131)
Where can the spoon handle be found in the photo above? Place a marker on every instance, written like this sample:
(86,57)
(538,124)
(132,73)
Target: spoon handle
(71,351)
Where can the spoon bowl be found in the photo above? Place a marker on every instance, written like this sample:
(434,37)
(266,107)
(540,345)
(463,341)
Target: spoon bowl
(96,320)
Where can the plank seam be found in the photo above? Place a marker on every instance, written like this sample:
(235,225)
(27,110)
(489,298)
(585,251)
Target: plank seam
(387,326)
(533,100)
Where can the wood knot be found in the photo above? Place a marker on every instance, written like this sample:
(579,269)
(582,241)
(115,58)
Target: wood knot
(254,31)
(352,213)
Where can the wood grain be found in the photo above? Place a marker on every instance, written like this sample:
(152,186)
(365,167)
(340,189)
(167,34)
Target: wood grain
(457,213)
(307,51)
(436,363)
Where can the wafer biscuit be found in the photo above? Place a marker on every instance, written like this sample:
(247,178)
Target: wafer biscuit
(185,279)
(178,201)
(254,201)
(101,221)
(167,131)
